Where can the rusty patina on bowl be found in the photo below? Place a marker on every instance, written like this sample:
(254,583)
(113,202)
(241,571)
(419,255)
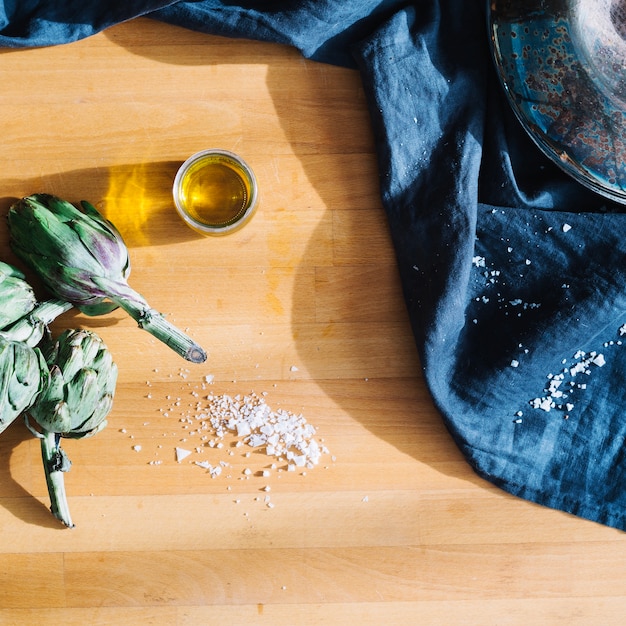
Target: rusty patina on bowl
(563,66)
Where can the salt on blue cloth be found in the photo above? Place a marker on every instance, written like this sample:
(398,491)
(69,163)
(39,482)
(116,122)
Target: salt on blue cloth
(513,274)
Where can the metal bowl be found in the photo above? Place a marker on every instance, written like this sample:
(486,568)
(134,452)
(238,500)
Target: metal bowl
(563,66)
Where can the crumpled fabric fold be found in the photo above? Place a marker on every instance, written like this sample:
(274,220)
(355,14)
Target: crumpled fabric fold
(39,23)
(513,274)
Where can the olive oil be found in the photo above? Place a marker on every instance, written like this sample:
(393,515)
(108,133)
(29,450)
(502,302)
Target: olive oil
(215,192)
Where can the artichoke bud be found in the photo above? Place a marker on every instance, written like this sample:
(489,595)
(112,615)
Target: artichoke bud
(17,297)
(79,395)
(82,259)
(66,246)
(23,374)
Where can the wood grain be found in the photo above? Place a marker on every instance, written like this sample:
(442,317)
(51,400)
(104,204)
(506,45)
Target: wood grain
(303,305)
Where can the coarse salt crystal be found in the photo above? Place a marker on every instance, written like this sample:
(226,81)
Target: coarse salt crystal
(243,429)
(278,433)
(182,454)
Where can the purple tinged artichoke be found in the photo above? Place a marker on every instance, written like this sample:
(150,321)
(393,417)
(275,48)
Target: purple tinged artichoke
(82,259)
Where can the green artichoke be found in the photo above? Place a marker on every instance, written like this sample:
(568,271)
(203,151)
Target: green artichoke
(81,258)
(75,404)
(23,374)
(17,297)
(79,395)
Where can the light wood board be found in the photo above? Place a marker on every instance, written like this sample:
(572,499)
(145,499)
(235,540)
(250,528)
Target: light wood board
(303,305)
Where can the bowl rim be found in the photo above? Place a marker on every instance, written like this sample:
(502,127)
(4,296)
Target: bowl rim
(533,88)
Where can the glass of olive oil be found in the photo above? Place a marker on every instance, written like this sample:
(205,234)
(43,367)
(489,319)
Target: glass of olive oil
(215,192)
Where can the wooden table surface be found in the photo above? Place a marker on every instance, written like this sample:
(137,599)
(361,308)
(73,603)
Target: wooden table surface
(302,305)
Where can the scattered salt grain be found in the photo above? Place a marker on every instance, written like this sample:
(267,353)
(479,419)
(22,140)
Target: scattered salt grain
(182,454)
(557,392)
(599,360)
(137,448)
(566,228)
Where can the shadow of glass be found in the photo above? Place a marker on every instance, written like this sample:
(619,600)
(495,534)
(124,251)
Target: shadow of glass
(136,197)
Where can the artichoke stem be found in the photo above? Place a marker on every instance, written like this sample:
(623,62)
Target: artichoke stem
(155,323)
(55,462)
(49,310)
(31,327)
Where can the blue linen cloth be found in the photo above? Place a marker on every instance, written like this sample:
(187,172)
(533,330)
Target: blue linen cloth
(513,273)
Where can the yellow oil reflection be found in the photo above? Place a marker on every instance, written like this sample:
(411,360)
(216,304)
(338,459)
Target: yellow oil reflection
(138,198)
